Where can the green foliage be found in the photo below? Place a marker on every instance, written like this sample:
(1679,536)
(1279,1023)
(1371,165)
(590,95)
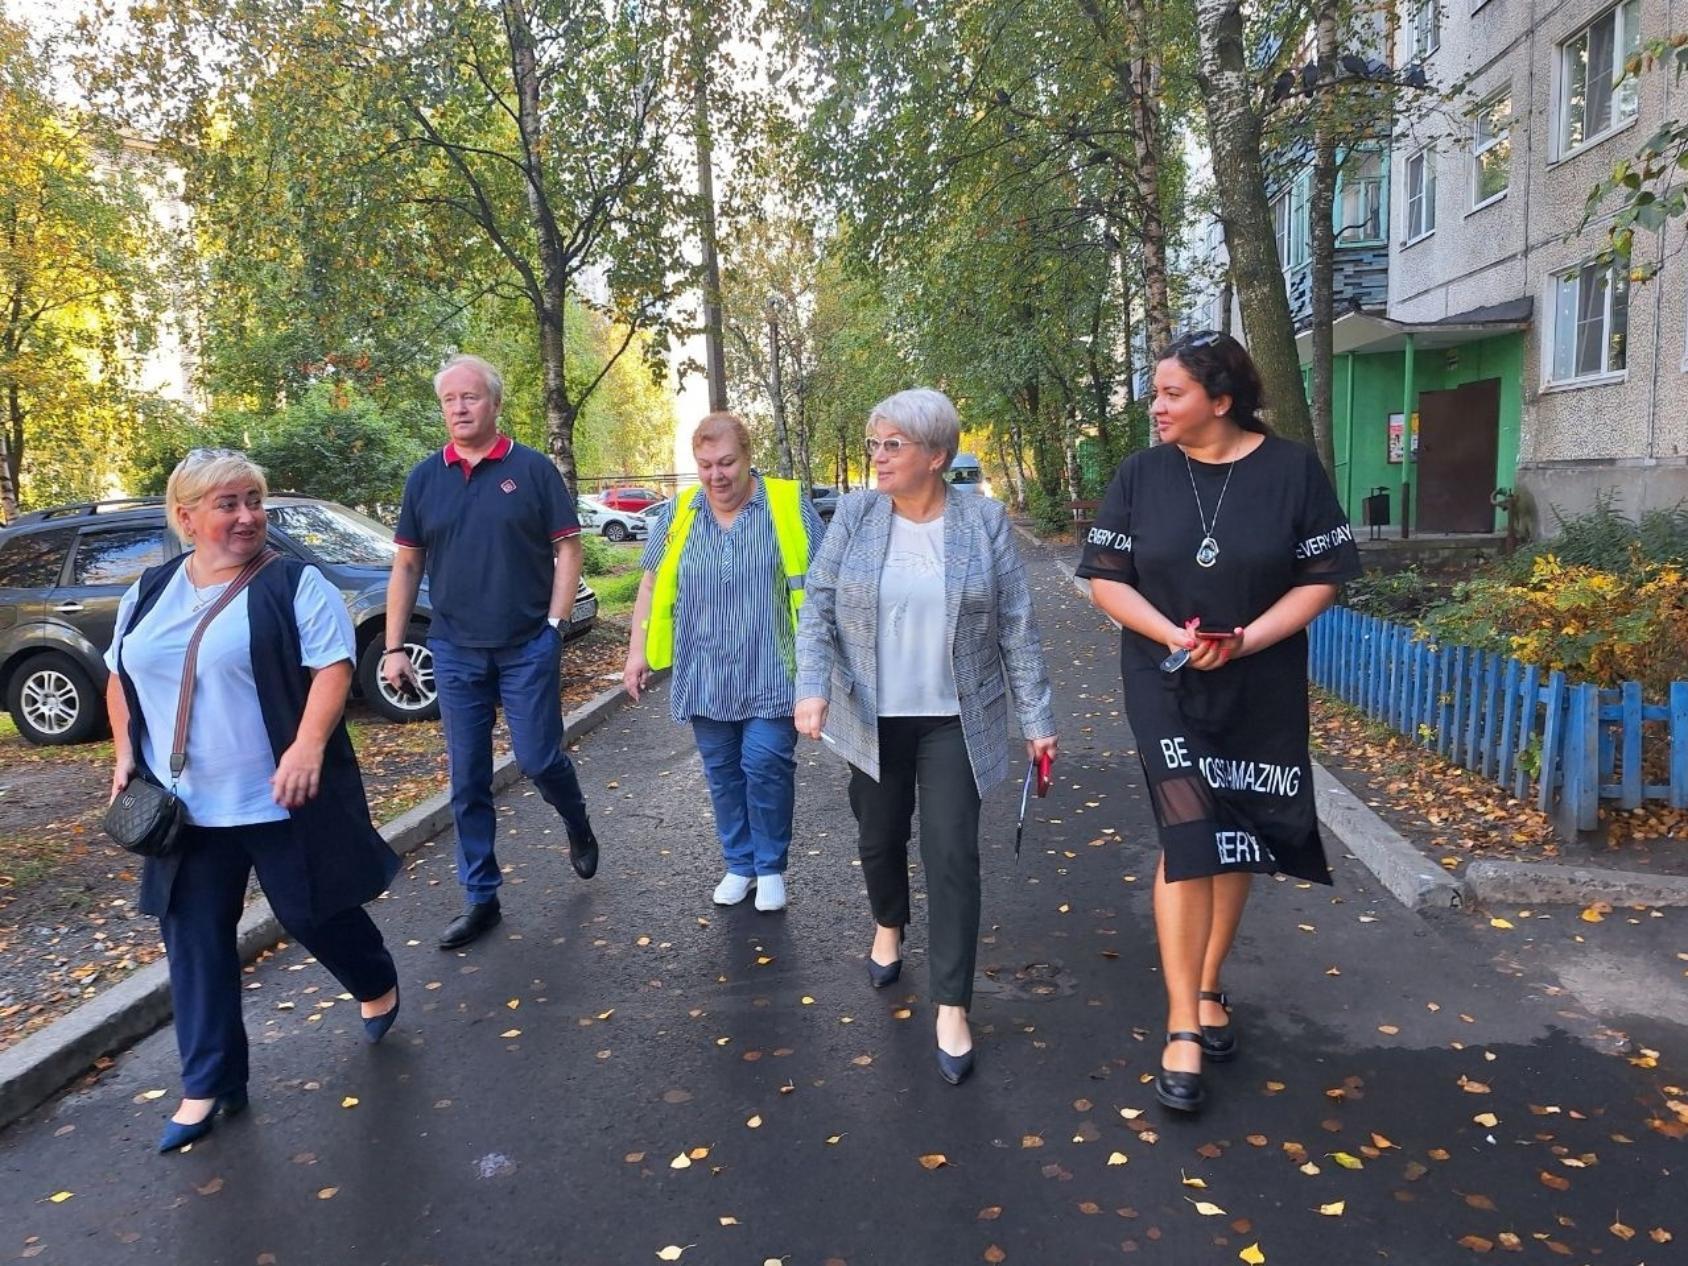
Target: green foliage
(1594,625)
(1401,595)
(335,443)
(617,593)
(1607,539)
(1048,510)
(599,557)
(80,297)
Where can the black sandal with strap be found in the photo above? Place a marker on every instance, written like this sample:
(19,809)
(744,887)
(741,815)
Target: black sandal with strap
(1219,1043)
(1180,1091)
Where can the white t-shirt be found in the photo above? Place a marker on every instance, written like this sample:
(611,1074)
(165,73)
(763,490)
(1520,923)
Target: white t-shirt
(916,672)
(227,778)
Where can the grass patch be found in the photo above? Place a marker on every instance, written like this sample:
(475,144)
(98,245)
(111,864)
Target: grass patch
(617,593)
(25,859)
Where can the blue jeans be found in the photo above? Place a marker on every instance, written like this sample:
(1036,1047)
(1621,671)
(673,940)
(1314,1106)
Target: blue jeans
(527,679)
(753,785)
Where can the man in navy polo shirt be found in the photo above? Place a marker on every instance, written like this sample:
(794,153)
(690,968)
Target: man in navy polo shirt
(494,528)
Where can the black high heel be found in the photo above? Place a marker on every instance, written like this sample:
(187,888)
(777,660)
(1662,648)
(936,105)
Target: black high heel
(880,975)
(1219,1041)
(1180,1091)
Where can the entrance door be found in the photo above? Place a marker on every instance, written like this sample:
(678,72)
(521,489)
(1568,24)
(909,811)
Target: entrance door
(1458,444)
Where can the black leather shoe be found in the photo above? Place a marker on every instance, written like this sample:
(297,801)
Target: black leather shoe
(1182,1092)
(474,922)
(583,852)
(1219,1041)
(954,1069)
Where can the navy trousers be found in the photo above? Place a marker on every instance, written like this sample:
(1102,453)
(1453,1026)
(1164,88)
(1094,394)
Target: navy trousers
(199,925)
(473,681)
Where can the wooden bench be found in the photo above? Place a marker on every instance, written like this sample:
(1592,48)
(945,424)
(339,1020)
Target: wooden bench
(1084,514)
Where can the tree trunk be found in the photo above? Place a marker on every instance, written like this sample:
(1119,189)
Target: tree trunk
(550,302)
(1321,212)
(1233,125)
(776,396)
(1016,495)
(1128,327)
(11,454)
(703,50)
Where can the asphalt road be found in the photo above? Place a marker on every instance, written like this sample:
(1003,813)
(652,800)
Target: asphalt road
(623,1071)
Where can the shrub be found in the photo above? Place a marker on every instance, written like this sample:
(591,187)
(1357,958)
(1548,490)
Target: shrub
(1596,625)
(1401,595)
(1607,539)
(1048,510)
(600,557)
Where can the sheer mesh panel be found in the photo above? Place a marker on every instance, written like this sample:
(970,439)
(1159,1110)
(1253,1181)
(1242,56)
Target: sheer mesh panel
(1181,800)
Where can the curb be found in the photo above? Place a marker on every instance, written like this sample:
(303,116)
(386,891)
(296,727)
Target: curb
(1410,877)
(1542,882)
(45,1062)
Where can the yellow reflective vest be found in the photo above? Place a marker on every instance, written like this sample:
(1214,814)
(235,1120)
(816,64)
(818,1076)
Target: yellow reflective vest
(785,507)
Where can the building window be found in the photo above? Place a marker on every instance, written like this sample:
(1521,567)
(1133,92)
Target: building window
(1289,221)
(1592,101)
(1360,201)
(1421,194)
(1424,27)
(1491,148)
(1590,322)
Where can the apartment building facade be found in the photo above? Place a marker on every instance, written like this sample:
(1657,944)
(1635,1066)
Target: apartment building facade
(1479,348)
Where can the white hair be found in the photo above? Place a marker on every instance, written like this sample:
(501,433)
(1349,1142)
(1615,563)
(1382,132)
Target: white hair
(486,369)
(926,416)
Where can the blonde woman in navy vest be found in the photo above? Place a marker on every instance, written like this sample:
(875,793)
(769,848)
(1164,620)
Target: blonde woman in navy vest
(270,783)
(724,575)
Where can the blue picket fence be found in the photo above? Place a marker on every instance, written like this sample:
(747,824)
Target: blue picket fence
(1572,743)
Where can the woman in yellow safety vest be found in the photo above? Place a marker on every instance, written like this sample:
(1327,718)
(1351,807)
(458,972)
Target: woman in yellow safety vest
(724,572)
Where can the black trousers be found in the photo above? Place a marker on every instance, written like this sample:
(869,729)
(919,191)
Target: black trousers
(206,903)
(924,760)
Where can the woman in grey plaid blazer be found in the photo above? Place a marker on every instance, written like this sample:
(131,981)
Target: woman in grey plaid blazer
(916,626)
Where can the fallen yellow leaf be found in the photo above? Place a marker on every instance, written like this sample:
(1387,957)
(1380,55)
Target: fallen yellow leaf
(511,1033)
(350,1101)
(1503,924)
(1347,1161)
(1207,1208)
(755,1123)
(682,1161)
(327,1193)
(1487,1120)
(670,1254)
(1193,1182)
(59,1197)
(1334,1209)
(1118,1158)
(936,1160)
(1252,1255)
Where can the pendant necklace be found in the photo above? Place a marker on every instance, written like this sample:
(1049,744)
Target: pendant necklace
(1207,553)
(201,599)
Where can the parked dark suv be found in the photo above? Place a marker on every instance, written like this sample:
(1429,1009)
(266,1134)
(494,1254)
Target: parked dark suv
(63,571)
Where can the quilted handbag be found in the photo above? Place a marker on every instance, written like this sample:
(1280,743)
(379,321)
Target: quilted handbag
(145,818)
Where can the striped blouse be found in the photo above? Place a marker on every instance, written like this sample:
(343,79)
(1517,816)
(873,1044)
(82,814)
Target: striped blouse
(734,650)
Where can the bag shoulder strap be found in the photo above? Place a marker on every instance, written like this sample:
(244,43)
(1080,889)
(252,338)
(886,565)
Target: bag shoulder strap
(184,697)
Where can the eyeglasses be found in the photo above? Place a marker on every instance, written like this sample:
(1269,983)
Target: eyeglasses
(210,454)
(892,446)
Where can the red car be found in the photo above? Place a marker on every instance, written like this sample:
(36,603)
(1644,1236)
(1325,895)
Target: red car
(629,500)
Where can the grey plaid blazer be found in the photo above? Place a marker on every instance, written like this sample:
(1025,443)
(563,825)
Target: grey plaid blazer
(992,629)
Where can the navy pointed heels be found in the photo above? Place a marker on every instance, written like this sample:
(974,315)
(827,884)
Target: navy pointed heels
(954,1069)
(177,1135)
(375,1027)
(880,975)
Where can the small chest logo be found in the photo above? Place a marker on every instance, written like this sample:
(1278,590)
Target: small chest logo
(509,485)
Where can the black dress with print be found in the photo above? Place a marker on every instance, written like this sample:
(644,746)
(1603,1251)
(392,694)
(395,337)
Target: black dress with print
(1225,751)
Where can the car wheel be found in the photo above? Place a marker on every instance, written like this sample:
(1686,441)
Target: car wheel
(53,701)
(424,706)
(616,531)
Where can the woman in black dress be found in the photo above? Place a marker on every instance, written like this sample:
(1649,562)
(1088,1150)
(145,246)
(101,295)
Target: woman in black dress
(1214,550)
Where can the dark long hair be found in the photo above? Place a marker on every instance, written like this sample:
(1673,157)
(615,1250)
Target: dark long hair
(1223,368)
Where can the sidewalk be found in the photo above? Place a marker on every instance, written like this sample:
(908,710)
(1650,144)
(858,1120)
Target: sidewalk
(539,1089)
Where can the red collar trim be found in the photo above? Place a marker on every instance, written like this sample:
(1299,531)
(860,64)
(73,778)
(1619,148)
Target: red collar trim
(500,450)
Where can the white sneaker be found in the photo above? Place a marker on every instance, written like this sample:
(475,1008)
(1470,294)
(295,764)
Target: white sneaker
(770,892)
(734,888)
